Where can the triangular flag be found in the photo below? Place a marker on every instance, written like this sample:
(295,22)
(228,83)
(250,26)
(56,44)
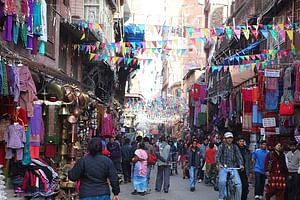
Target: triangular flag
(237,32)
(158,28)
(83,36)
(148,44)
(255,27)
(229,33)
(154,44)
(246,33)
(129,60)
(265,33)
(281,26)
(253,65)
(149,61)
(120,60)
(253,57)
(206,32)
(92,55)
(274,34)
(115,59)
(190,31)
(290,34)
(247,57)
(255,33)
(219,31)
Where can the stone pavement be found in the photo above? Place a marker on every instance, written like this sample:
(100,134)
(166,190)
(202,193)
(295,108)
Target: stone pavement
(179,190)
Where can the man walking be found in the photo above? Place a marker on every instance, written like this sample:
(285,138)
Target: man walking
(258,159)
(293,162)
(126,150)
(194,163)
(244,174)
(229,156)
(115,154)
(203,148)
(163,171)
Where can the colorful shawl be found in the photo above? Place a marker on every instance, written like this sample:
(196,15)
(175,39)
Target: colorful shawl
(142,165)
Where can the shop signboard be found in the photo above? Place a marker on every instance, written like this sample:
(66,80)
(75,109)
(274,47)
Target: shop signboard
(269,122)
(272,73)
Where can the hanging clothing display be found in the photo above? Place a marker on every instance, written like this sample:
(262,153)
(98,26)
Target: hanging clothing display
(271,100)
(37,126)
(26,156)
(30,26)
(107,125)
(15,139)
(260,94)
(27,89)
(21,116)
(44,37)
(297,86)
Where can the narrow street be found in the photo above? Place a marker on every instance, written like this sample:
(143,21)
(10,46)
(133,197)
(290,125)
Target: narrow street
(179,190)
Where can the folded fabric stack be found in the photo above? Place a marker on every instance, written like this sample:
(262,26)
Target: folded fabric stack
(3,194)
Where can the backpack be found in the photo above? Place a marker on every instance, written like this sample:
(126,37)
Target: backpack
(152,159)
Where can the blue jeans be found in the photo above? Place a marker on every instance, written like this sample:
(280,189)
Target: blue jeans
(222,183)
(193,176)
(102,197)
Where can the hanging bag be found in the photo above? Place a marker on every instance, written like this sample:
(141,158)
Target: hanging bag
(287,107)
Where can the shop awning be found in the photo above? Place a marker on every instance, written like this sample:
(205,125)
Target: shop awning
(47,71)
(240,77)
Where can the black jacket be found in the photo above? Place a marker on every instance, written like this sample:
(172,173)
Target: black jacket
(197,157)
(93,172)
(126,153)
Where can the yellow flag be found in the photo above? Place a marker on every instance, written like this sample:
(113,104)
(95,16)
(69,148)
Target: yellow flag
(205,32)
(148,44)
(290,34)
(246,33)
(92,55)
(115,59)
(281,26)
(253,66)
(83,36)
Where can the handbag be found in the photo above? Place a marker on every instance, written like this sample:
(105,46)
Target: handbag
(287,107)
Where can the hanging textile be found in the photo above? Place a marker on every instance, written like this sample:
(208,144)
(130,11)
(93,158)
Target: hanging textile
(297,86)
(271,101)
(26,157)
(202,119)
(27,90)
(37,126)
(260,94)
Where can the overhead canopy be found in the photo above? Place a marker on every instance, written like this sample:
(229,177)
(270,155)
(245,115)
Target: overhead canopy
(240,77)
(134,33)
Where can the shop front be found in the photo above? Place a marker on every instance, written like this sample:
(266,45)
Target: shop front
(45,125)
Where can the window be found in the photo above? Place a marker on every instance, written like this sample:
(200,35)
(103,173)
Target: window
(51,28)
(98,11)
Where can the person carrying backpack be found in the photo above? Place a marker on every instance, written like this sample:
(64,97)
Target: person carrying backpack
(163,171)
(151,157)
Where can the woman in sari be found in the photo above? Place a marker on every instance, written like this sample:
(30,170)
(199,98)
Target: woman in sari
(140,170)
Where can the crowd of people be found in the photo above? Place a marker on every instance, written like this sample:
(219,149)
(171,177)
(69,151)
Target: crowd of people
(275,171)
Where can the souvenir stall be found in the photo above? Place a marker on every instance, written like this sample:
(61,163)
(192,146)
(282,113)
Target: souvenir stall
(22,132)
